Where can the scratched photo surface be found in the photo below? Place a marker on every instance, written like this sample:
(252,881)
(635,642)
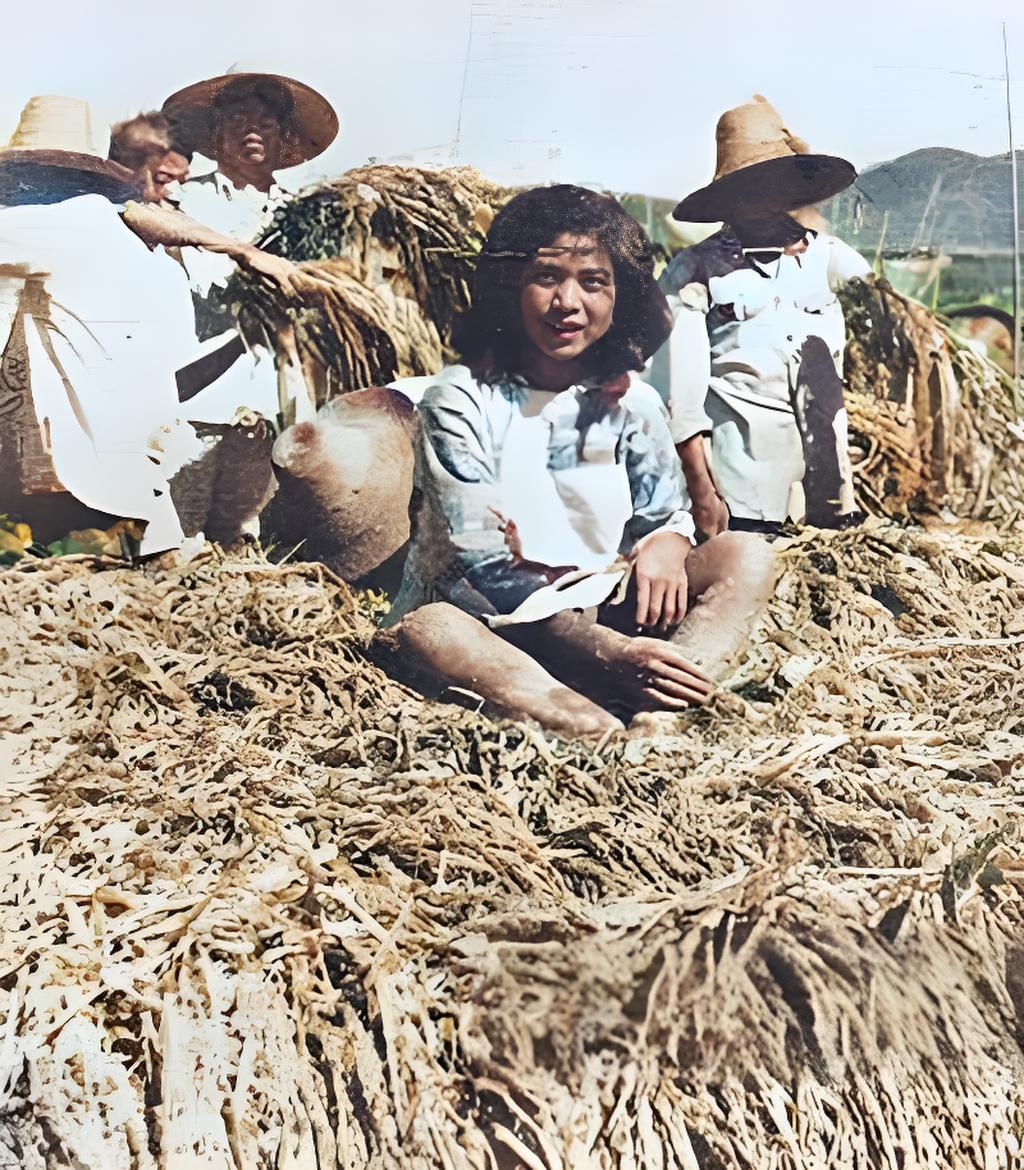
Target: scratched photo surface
(511,586)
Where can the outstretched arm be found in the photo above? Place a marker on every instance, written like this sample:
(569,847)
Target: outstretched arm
(173,229)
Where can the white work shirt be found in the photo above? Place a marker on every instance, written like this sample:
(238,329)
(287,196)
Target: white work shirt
(243,213)
(102,366)
(734,353)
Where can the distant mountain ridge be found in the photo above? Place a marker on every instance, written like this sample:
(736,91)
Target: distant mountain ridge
(936,197)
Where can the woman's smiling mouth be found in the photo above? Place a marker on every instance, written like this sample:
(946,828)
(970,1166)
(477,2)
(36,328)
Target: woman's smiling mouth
(564,329)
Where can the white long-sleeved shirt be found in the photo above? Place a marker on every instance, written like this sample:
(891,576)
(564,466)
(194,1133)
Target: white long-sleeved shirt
(584,475)
(102,361)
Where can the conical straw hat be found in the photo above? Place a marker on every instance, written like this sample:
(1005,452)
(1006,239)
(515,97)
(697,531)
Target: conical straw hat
(54,123)
(314,122)
(763,169)
(51,157)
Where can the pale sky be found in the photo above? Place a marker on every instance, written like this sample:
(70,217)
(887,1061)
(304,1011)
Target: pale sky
(614,93)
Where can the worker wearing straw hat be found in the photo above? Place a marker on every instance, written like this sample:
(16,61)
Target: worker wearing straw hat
(93,325)
(252,125)
(755,357)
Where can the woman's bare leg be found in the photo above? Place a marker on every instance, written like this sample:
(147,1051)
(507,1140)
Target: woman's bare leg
(622,672)
(616,663)
(439,645)
(567,671)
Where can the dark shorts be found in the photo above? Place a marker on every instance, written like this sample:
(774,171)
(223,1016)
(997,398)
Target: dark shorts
(765,527)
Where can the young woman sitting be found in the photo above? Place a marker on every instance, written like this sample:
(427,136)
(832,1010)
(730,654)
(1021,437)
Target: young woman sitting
(552,568)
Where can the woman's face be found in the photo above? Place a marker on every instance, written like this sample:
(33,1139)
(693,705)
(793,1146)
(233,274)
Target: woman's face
(567,297)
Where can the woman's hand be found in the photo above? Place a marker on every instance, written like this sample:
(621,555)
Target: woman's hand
(661,583)
(665,679)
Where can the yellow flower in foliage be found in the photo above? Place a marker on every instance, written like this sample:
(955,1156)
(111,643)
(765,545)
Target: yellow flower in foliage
(14,539)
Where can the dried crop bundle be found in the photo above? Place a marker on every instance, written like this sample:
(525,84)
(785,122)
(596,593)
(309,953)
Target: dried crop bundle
(261,906)
(389,252)
(929,416)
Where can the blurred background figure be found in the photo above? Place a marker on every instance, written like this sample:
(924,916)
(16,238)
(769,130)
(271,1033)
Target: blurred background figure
(93,324)
(145,146)
(251,125)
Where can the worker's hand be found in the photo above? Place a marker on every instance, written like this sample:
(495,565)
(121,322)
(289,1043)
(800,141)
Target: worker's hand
(510,530)
(286,275)
(666,680)
(661,583)
(710,512)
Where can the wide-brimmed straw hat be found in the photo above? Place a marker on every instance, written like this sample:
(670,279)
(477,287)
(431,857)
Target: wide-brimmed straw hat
(763,169)
(51,157)
(311,117)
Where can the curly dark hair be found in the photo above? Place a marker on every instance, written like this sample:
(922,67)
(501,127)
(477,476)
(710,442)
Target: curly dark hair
(489,337)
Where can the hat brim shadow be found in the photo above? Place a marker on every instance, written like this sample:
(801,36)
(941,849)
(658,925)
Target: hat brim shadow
(771,187)
(52,176)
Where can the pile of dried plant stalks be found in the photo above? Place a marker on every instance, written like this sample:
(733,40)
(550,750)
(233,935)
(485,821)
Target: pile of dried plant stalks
(929,416)
(263,907)
(388,252)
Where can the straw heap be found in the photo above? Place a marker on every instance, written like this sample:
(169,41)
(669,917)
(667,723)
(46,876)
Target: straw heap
(261,906)
(389,252)
(928,416)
